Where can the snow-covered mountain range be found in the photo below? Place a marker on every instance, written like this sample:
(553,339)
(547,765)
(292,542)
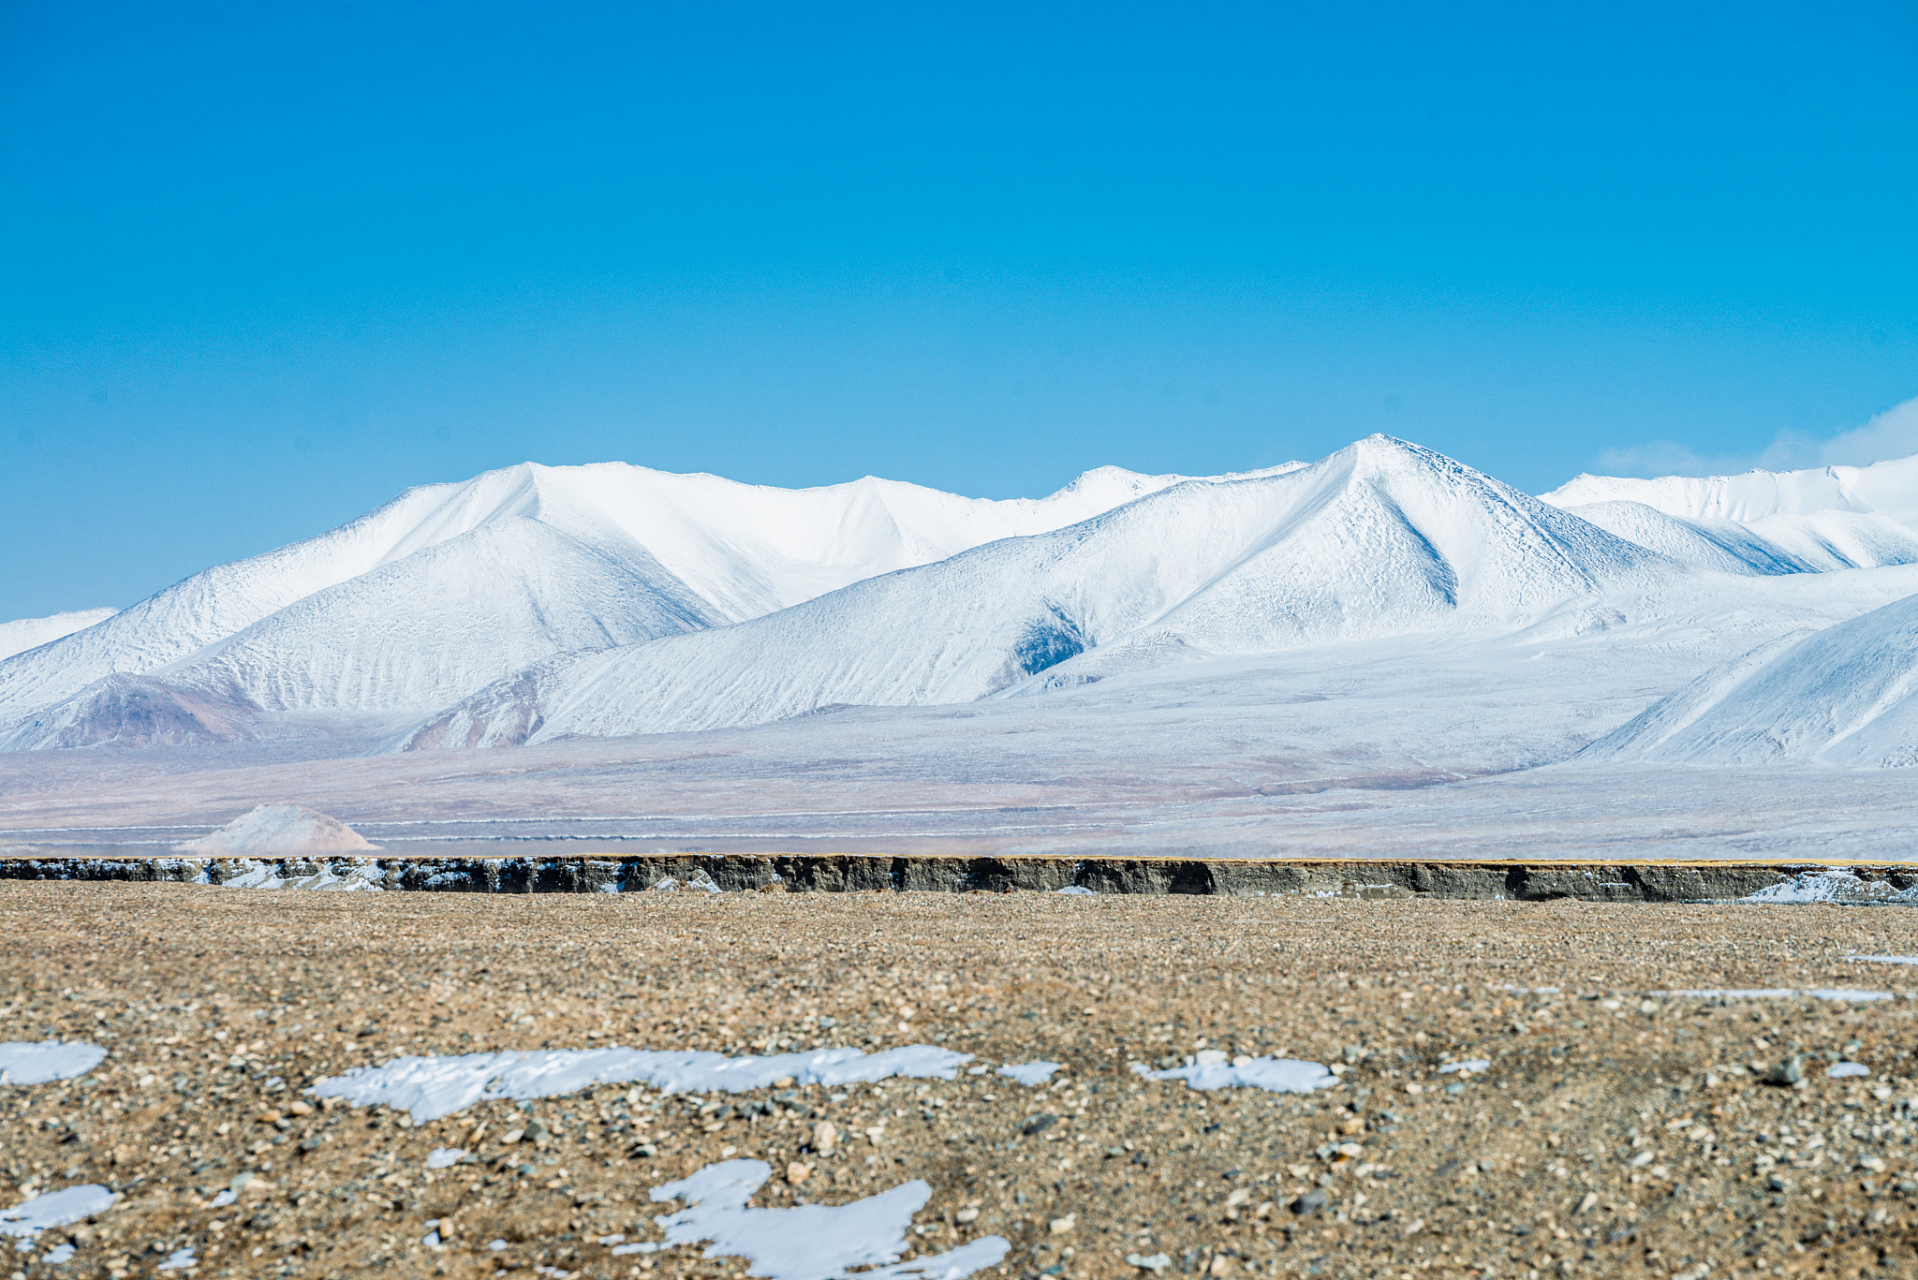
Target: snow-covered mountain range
(536,603)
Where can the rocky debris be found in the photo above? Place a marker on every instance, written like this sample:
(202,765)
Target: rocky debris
(1609,1131)
(279,831)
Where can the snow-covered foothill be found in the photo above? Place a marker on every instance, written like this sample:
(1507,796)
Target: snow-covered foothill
(1843,696)
(55,1209)
(1382,538)
(23,634)
(815,1241)
(1274,1075)
(432,1087)
(278,830)
(1030,1073)
(27,1062)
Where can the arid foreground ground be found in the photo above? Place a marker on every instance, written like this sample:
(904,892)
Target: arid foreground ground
(1615,1132)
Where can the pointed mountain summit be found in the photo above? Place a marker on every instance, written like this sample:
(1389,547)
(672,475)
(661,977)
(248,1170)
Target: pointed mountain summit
(1381,538)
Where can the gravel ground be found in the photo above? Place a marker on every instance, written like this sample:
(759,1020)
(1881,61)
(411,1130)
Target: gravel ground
(1613,1132)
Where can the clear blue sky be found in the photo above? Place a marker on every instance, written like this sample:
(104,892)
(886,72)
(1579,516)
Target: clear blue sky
(268,264)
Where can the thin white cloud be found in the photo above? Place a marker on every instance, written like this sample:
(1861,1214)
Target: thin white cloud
(1891,434)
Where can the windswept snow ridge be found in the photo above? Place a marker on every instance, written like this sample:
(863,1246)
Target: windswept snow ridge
(1887,489)
(431,1087)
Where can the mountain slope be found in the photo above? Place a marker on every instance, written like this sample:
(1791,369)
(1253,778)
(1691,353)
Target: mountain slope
(1381,538)
(30,633)
(1846,695)
(502,570)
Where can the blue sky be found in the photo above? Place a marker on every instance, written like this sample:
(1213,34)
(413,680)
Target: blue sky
(269,264)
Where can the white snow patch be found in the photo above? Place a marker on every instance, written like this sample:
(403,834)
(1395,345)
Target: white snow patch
(699,881)
(179,1260)
(1775,993)
(1842,1070)
(55,1209)
(1469,1068)
(226,1197)
(25,1063)
(1274,1075)
(357,875)
(1831,886)
(59,1253)
(279,830)
(444,1157)
(1075,890)
(812,1242)
(1030,1073)
(431,1087)
(1886,959)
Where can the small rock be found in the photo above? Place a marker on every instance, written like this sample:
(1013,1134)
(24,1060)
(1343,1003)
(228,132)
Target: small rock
(1059,1226)
(1211,1058)
(511,1136)
(538,1132)
(1787,1073)
(797,1173)
(1589,1203)
(1155,1263)
(1039,1124)
(966,1215)
(1309,1203)
(825,1136)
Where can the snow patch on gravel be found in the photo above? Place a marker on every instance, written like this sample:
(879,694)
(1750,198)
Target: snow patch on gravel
(1470,1068)
(25,1063)
(1886,959)
(431,1087)
(815,1241)
(1775,993)
(357,875)
(1030,1073)
(1274,1075)
(1840,1070)
(1831,886)
(55,1209)
(444,1157)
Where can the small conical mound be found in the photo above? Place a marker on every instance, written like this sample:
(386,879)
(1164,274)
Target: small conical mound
(279,830)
